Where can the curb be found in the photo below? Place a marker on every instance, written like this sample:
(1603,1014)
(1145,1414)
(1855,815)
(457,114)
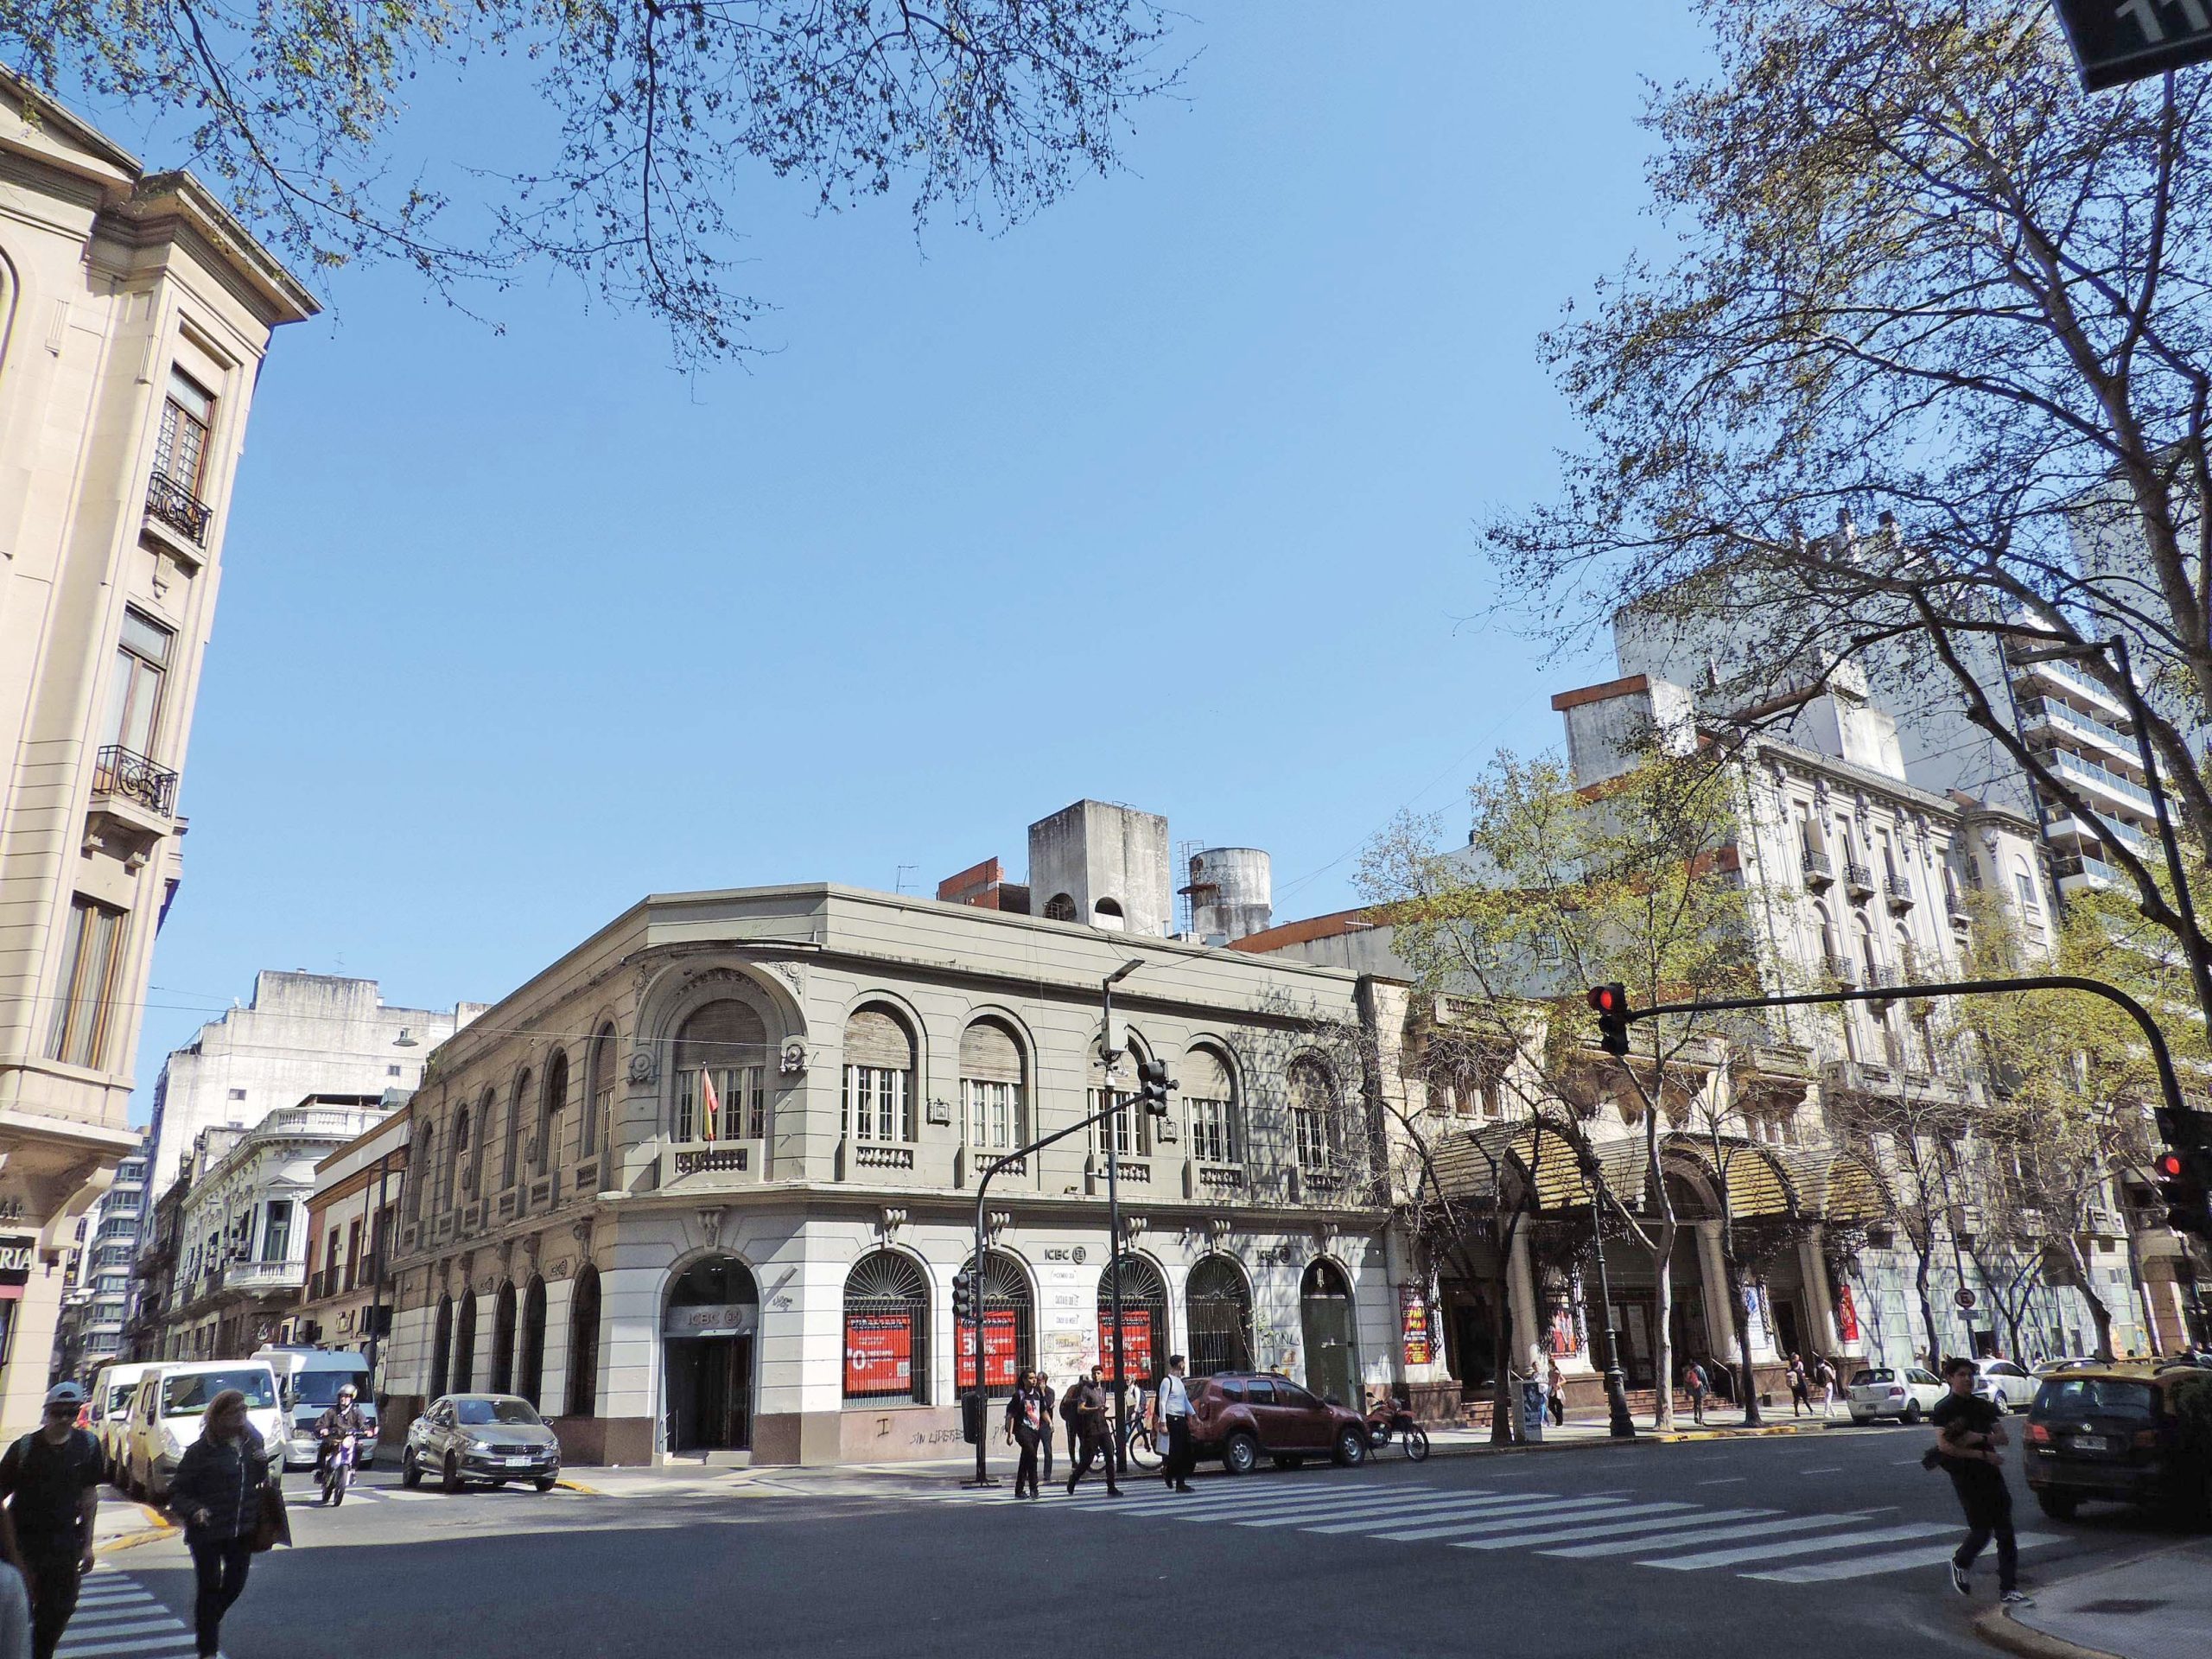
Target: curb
(578,1486)
(2000,1630)
(1644,1436)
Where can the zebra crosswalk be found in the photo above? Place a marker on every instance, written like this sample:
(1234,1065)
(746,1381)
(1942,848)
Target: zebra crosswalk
(1666,1534)
(117,1619)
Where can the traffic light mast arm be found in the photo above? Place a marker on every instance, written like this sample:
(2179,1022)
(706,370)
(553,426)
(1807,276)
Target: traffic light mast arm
(2162,1057)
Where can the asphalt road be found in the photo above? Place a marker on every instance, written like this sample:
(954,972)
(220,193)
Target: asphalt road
(1805,1546)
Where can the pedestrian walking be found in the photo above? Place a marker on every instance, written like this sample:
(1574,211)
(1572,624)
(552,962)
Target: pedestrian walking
(1695,1386)
(51,1479)
(1093,1435)
(216,1492)
(1826,1377)
(1800,1389)
(1969,1434)
(1027,1426)
(1068,1417)
(1051,1400)
(1556,1393)
(1174,1407)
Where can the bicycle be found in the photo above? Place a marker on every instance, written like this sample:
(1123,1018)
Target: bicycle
(1141,1450)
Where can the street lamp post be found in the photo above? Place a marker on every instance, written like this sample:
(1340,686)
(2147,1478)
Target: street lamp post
(1623,1426)
(1119,1452)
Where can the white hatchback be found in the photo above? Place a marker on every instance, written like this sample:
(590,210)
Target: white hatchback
(2005,1385)
(1906,1393)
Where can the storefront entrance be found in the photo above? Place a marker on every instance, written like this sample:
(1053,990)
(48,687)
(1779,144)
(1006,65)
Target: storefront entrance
(1331,1362)
(713,1315)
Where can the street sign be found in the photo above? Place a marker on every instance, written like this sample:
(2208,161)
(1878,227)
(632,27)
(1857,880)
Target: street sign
(2116,41)
(1965,1299)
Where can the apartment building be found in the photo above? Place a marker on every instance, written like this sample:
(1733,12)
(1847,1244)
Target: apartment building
(97,1305)
(352,1219)
(134,316)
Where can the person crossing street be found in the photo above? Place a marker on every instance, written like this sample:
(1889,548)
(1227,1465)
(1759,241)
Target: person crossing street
(51,1479)
(1094,1433)
(1968,1436)
(1174,1407)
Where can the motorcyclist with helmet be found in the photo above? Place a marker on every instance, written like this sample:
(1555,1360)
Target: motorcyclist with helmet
(336,1422)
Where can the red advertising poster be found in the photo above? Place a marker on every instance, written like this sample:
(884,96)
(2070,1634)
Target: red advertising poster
(1563,1339)
(879,1353)
(1136,1343)
(1004,1334)
(1847,1314)
(1413,1325)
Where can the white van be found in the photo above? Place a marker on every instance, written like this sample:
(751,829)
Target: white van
(113,1386)
(171,1404)
(307,1381)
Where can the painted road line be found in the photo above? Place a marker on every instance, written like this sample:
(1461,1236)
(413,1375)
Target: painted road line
(1585,1508)
(1765,1528)
(84,1615)
(144,1627)
(1609,1528)
(1251,1502)
(1704,1559)
(1400,1506)
(1825,1469)
(1897,1561)
(142,1644)
(1317,1503)
(1725,1480)
(1470,1507)
(1542,1532)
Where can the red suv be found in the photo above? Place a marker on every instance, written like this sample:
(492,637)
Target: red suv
(1236,1415)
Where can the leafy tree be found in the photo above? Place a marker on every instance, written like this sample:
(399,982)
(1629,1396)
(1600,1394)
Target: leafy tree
(1923,283)
(659,114)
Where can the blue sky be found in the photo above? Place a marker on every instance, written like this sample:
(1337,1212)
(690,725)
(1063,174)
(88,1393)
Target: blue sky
(1167,497)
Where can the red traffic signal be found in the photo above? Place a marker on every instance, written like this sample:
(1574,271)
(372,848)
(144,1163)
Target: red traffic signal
(2185,1177)
(1610,1004)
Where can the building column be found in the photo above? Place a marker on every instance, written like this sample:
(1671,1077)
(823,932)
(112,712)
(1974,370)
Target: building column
(553,1387)
(1712,1269)
(1521,1281)
(1812,1270)
(630,1360)
(30,1347)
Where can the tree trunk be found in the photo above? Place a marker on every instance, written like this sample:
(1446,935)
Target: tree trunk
(1741,1317)
(1926,1304)
(2098,1313)
(1502,1406)
(1662,1334)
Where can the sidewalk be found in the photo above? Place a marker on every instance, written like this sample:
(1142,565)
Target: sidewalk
(123,1522)
(2157,1606)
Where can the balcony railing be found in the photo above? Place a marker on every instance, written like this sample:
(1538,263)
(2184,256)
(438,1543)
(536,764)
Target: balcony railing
(2071,765)
(1900,892)
(1841,969)
(2095,870)
(1818,871)
(178,507)
(1857,877)
(117,771)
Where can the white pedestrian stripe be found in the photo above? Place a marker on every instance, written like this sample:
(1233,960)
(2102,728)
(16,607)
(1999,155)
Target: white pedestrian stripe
(116,1618)
(1671,1534)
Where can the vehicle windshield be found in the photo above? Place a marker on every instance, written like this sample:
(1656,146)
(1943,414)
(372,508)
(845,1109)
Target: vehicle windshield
(321,1388)
(2094,1396)
(493,1411)
(120,1398)
(187,1395)
(1865,1378)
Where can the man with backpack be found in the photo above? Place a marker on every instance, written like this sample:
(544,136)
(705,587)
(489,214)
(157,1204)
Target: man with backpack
(51,1480)
(1695,1385)
(1968,1435)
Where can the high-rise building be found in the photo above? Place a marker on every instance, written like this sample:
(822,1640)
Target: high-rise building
(94,1307)
(134,316)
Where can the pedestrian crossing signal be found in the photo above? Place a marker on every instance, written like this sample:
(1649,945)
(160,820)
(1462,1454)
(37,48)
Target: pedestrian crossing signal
(1610,1003)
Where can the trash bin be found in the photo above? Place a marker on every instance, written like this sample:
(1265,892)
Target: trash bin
(1532,1412)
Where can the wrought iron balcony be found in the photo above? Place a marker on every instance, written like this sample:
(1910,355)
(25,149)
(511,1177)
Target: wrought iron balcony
(178,507)
(1858,878)
(1818,871)
(117,771)
(1900,892)
(1841,970)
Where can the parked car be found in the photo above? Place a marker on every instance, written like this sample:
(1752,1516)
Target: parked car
(2113,1434)
(1906,1393)
(2052,1367)
(2005,1385)
(487,1437)
(170,1405)
(1239,1415)
(109,1410)
(308,1380)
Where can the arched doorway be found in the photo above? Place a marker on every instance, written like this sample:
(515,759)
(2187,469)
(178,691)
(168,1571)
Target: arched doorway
(503,1340)
(583,1344)
(714,1311)
(1144,1318)
(1218,1303)
(530,1350)
(464,1345)
(1325,1312)
(440,1347)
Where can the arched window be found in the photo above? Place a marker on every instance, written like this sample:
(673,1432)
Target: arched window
(991,1103)
(583,1344)
(464,1345)
(475,1183)
(599,1117)
(529,1352)
(2025,883)
(1218,1302)
(552,1106)
(1144,1318)
(1864,934)
(1210,1095)
(510,1163)
(886,1329)
(1831,953)
(1315,1128)
(879,1100)
(1130,1126)
(457,1181)
(1107,913)
(1010,1327)
(1061,907)
(440,1349)
(503,1340)
(721,1079)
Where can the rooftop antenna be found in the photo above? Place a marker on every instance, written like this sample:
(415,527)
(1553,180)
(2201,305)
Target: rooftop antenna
(899,879)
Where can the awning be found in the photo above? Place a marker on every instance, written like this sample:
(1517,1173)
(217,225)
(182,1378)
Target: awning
(1758,1184)
(1835,1186)
(1470,1164)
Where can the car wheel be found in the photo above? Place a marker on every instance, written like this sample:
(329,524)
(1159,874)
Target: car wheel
(544,1483)
(1911,1414)
(452,1473)
(1351,1448)
(1241,1455)
(1998,1401)
(410,1473)
(2059,1506)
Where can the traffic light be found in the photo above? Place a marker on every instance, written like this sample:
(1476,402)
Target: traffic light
(1611,1003)
(2184,1172)
(963,1297)
(1153,1085)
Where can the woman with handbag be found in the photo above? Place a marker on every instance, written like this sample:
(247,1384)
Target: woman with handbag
(221,1493)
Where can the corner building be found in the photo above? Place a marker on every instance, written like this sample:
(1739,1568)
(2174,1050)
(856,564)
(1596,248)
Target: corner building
(700,1188)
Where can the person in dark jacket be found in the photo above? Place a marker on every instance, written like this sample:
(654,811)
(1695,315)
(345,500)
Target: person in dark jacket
(217,1494)
(1027,1424)
(51,1478)
(1095,1433)
(1052,1401)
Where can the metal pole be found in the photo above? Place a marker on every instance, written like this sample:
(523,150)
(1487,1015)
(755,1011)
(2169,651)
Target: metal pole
(1623,1426)
(1116,1454)
(2199,971)
(983,1389)
(377,1243)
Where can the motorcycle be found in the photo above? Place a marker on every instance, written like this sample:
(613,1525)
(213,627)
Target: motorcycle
(1387,1418)
(337,1472)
